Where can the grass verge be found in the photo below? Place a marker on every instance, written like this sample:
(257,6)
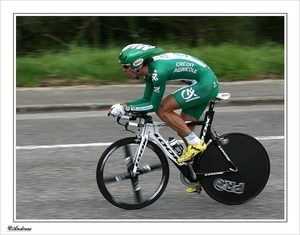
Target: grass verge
(82,65)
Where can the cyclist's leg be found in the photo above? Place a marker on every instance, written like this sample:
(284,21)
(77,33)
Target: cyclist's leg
(167,114)
(192,114)
(191,107)
(187,117)
(193,100)
(175,121)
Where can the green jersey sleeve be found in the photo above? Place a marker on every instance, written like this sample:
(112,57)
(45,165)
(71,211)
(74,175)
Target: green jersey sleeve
(153,93)
(146,97)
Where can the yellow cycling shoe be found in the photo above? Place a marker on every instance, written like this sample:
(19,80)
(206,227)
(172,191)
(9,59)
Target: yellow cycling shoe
(191,190)
(191,151)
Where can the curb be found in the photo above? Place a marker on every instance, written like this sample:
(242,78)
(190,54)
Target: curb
(61,108)
(102,107)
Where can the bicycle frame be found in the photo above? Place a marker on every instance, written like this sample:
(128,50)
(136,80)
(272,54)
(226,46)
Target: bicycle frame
(151,131)
(206,171)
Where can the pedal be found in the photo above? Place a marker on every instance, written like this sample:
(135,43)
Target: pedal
(197,189)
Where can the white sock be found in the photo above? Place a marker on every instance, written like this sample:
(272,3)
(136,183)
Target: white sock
(192,138)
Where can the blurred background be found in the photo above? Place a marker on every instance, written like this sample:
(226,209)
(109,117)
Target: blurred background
(72,50)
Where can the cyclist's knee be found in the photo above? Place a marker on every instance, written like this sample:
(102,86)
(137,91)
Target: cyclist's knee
(162,111)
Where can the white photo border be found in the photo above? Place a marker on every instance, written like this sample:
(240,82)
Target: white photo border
(10,8)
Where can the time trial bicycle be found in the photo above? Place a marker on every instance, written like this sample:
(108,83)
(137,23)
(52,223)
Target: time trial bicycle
(133,172)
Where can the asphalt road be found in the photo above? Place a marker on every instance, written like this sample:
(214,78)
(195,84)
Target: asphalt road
(57,155)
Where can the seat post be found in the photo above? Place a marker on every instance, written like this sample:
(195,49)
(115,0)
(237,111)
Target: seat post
(211,105)
(208,118)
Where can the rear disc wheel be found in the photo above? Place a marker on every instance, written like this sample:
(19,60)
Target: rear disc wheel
(253,164)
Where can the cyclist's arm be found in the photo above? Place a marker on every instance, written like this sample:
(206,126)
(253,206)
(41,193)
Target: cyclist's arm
(146,97)
(155,92)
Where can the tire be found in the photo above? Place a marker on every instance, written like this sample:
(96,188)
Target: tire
(117,185)
(253,164)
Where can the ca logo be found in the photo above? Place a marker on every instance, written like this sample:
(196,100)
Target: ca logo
(189,94)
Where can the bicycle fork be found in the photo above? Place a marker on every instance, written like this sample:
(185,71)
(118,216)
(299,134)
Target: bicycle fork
(139,153)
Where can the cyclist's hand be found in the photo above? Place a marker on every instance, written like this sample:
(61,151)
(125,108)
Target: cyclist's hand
(117,110)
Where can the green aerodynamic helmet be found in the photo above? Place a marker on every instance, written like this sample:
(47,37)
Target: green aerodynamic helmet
(134,55)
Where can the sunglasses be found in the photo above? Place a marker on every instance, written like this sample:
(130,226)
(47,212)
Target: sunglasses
(125,66)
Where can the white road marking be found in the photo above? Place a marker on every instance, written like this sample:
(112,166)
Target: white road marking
(63,146)
(31,147)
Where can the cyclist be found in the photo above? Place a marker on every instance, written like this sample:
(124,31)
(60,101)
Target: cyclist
(202,85)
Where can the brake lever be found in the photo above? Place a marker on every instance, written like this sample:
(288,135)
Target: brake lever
(118,121)
(126,127)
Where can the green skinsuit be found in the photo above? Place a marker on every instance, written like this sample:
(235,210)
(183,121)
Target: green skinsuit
(193,98)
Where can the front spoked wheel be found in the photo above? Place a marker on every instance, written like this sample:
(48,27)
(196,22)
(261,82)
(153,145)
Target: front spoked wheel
(252,161)
(129,192)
